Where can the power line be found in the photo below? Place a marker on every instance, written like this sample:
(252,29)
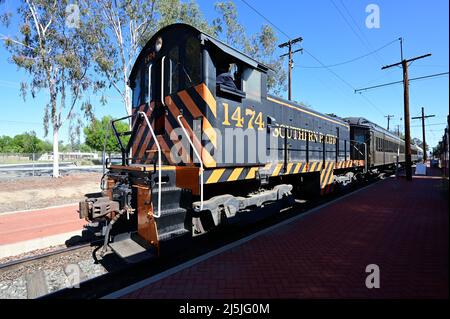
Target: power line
(388,120)
(324,66)
(432,124)
(348,61)
(343,81)
(397,82)
(348,23)
(423,117)
(360,36)
(331,71)
(262,16)
(290,53)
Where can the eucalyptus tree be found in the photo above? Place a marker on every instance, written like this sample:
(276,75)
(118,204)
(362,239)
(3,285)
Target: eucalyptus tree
(121,28)
(260,46)
(52,45)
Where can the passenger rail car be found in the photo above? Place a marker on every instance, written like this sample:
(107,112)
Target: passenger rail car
(384,147)
(443,147)
(209,146)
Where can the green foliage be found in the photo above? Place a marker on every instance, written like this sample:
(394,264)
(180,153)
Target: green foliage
(24,143)
(95,135)
(57,57)
(85,148)
(260,46)
(119,29)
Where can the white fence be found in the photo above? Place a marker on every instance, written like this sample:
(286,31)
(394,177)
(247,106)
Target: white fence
(15,158)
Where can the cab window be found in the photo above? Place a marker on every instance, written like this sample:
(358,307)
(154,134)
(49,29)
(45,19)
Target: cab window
(147,94)
(183,66)
(136,90)
(252,84)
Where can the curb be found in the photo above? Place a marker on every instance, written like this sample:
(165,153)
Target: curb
(25,246)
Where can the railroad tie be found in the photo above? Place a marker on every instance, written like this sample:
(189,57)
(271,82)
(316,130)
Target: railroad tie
(36,284)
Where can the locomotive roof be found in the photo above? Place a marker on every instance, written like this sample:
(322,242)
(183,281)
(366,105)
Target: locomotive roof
(361,121)
(303,108)
(202,37)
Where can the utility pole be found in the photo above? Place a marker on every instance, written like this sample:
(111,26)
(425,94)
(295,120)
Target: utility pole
(389,118)
(424,144)
(404,64)
(289,44)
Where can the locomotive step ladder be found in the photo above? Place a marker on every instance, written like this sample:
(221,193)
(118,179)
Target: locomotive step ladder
(170,225)
(132,248)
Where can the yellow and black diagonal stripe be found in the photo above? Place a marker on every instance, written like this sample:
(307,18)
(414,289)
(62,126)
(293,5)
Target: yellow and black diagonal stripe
(189,103)
(221,175)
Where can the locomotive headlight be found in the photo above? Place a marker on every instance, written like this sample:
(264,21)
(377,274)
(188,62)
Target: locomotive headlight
(158,44)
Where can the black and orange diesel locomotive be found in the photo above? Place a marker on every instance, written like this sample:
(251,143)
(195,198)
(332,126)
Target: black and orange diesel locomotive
(209,146)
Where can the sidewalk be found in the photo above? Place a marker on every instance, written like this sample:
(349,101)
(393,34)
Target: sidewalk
(28,230)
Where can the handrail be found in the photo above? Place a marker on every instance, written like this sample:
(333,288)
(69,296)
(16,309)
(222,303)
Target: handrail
(159,163)
(358,149)
(162,80)
(199,158)
(149,83)
(365,158)
(104,147)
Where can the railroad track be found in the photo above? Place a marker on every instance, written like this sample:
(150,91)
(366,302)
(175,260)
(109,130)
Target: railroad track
(30,259)
(132,273)
(37,275)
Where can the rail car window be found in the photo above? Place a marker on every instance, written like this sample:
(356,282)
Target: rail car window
(136,89)
(379,144)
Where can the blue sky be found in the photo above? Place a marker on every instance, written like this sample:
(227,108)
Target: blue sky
(333,31)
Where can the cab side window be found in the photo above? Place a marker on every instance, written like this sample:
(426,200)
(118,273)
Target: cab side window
(192,75)
(136,90)
(183,66)
(252,84)
(228,74)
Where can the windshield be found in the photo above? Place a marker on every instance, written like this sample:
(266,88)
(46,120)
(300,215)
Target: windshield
(182,69)
(183,66)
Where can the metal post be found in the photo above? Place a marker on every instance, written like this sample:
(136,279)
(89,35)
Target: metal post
(285,149)
(290,62)
(404,64)
(33,162)
(337,150)
(345,150)
(424,143)
(408,167)
(365,158)
(323,151)
(307,149)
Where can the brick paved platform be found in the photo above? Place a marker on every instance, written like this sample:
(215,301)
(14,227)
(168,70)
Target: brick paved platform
(28,230)
(401,226)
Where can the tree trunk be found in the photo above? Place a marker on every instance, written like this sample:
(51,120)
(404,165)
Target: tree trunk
(55,152)
(127,100)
